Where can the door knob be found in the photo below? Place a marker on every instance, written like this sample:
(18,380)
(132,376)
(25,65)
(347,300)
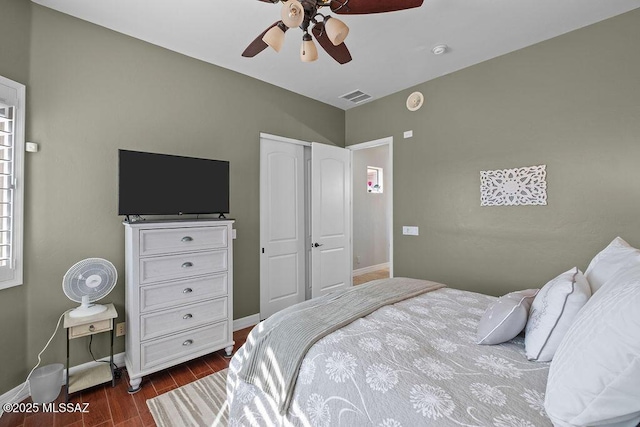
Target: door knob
(315,245)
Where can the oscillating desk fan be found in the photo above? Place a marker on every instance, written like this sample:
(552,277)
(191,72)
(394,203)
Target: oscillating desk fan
(87,281)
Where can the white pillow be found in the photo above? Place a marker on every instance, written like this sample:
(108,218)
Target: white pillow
(594,378)
(608,261)
(552,313)
(506,317)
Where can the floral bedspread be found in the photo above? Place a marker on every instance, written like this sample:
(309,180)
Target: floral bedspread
(413,363)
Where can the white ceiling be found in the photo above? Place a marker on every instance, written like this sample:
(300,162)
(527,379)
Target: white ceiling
(391,51)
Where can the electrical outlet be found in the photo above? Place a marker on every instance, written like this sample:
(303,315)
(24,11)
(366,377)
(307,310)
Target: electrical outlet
(120,331)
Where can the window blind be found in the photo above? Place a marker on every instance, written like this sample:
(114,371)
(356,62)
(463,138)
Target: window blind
(7,183)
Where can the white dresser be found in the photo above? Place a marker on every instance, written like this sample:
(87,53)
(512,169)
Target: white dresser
(179,293)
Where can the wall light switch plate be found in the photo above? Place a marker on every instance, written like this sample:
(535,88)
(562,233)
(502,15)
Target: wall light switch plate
(409,230)
(31,147)
(233,233)
(408,134)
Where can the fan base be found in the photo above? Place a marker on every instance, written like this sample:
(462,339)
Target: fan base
(84,311)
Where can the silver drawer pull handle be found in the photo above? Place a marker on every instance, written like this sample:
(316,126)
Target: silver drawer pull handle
(187,264)
(187,316)
(187,342)
(187,291)
(187,239)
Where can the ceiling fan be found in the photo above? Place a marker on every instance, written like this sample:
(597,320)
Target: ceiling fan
(329,32)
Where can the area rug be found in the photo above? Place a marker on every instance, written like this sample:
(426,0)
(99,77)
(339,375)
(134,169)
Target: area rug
(200,403)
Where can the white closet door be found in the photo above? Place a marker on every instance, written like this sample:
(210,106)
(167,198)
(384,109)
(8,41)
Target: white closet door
(330,219)
(282,225)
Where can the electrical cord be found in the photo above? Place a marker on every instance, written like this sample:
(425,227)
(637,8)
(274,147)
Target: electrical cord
(113,365)
(26,381)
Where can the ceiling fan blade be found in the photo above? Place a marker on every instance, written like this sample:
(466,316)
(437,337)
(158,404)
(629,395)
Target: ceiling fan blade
(358,7)
(340,53)
(258,45)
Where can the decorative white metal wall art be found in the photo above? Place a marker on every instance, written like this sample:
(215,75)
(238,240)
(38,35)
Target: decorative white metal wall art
(513,187)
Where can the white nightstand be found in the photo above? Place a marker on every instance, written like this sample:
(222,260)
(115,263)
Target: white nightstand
(81,327)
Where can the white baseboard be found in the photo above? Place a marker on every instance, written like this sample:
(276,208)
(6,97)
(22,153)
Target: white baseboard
(245,322)
(370,269)
(16,394)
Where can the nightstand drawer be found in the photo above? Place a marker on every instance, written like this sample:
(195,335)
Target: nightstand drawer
(171,294)
(90,328)
(164,350)
(163,241)
(156,269)
(178,319)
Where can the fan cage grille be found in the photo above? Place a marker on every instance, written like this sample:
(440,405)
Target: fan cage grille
(74,281)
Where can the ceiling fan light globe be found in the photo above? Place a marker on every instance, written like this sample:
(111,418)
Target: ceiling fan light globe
(308,51)
(274,38)
(337,30)
(292,13)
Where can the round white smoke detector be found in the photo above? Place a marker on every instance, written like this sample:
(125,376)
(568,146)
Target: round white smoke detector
(440,49)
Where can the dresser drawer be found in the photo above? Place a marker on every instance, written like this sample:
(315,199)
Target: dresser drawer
(156,269)
(90,328)
(189,239)
(165,295)
(165,350)
(178,319)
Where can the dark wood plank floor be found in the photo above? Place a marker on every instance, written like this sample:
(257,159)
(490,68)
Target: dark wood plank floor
(113,406)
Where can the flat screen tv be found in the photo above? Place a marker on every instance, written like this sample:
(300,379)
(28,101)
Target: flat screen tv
(161,184)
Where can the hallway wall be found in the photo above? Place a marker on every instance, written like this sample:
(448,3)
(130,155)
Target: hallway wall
(370,213)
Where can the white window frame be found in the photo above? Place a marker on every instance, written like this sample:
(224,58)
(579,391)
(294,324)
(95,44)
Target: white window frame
(14,94)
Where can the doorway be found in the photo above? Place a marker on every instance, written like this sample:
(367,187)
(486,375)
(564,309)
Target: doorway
(372,205)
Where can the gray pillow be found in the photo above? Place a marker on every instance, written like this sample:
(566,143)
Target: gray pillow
(506,317)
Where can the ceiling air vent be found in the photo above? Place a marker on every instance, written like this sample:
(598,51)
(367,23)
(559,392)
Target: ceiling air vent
(357,96)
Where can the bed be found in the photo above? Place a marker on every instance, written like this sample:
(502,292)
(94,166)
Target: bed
(411,363)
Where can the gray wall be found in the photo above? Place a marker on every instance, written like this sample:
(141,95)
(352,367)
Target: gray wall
(370,240)
(92,91)
(571,103)
(15,29)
